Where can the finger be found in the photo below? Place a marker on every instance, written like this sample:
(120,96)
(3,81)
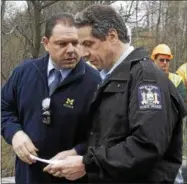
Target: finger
(71,178)
(58,174)
(47,168)
(19,153)
(75,176)
(31,148)
(21,156)
(59,166)
(26,155)
(68,171)
(52,171)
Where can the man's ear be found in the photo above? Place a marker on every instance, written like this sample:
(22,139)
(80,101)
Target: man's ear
(45,42)
(112,35)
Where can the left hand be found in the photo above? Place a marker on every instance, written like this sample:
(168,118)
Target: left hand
(60,156)
(71,168)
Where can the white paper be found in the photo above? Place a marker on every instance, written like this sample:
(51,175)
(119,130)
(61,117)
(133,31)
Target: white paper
(43,160)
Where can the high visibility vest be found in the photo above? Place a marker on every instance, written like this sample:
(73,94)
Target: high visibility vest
(182,71)
(176,79)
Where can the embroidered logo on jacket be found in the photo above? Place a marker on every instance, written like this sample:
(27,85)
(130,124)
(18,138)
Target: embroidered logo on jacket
(69,103)
(149,97)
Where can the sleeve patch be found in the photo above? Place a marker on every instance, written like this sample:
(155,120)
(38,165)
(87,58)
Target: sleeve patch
(149,97)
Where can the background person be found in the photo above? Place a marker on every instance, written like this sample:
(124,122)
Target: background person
(162,56)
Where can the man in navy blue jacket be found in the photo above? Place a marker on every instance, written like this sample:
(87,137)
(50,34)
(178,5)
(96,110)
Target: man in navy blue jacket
(41,116)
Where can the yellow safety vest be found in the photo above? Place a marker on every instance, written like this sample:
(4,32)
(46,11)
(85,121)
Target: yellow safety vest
(176,79)
(182,71)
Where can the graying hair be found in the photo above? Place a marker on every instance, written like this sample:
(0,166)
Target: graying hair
(102,18)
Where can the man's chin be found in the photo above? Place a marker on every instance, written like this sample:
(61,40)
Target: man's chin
(69,66)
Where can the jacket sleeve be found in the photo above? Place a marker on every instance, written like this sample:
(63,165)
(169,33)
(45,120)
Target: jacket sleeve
(83,129)
(84,126)
(151,131)
(9,108)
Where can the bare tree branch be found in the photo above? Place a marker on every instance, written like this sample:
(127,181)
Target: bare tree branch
(11,31)
(137,20)
(3,76)
(25,36)
(3,7)
(42,22)
(47,4)
(107,2)
(129,12)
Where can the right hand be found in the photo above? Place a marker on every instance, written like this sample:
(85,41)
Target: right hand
(60,156)
(23,147)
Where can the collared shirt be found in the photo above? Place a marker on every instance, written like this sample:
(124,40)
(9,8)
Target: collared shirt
(64,72)
(105,73)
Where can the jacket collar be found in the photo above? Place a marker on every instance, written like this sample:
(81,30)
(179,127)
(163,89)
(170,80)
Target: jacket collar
(79,70)
(42,63)
(122,72)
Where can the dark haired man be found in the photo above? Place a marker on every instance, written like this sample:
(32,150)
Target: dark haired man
(45,103)
(136,113)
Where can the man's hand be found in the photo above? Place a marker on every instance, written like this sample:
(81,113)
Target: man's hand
(23,147)
(60,156)
(71,168)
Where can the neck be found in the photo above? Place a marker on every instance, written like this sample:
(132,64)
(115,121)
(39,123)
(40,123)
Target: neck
(167,74)
(118,52)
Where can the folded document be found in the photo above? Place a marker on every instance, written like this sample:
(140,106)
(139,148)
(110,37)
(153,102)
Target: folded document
(43,160)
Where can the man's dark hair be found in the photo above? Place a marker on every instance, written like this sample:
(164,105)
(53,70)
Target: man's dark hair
(102,18)
(63,18)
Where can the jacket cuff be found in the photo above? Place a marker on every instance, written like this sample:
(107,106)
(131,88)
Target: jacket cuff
(9,134)
(80,149)
(90,166)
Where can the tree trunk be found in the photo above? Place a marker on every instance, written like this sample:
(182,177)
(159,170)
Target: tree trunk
(158,25)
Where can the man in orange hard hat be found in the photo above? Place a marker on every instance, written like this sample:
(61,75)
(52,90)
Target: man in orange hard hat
(162,56)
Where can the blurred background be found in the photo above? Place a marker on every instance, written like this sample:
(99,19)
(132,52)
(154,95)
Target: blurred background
(151,23)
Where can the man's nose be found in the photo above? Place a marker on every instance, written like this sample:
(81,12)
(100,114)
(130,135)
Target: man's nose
(86,55)
(70,48)
(165,62)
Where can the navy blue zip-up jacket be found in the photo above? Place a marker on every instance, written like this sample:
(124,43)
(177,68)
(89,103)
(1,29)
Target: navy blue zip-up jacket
(21,108)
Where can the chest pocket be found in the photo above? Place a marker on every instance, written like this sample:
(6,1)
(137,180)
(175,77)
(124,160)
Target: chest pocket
(115,98)
(116,87)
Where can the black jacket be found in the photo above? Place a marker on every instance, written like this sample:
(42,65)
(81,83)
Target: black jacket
(136,116)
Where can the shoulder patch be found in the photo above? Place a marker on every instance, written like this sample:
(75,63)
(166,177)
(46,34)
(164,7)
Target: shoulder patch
(149,97)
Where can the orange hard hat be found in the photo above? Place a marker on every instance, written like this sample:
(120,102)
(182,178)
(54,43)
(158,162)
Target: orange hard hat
(161,49)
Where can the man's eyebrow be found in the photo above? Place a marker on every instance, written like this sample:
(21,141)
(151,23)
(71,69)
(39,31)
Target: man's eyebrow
(87,41)
(67,40)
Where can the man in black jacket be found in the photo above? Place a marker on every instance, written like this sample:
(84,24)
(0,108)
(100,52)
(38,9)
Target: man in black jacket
(136,113)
